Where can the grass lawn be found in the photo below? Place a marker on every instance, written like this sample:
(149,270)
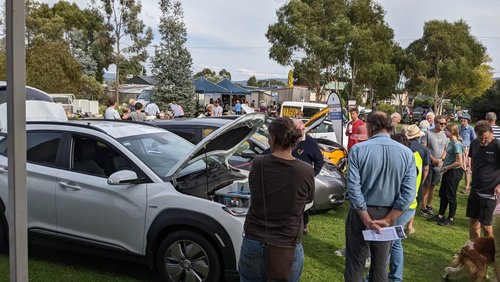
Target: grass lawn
(427,252)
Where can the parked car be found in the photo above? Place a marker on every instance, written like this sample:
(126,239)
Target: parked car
(330,183)
(418,112)
(145,97)
(136,191)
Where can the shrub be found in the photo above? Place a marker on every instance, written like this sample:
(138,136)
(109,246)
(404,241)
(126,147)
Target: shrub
(387,108)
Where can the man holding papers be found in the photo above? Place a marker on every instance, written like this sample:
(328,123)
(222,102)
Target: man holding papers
(380,185)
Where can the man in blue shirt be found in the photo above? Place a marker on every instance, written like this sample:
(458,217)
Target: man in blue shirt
(237,107)
(467,134)
(381,186)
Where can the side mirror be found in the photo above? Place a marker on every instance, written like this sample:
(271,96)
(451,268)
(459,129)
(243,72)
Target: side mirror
(122,177)
(249,154)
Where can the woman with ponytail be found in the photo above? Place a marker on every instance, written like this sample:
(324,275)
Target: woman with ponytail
(452,174)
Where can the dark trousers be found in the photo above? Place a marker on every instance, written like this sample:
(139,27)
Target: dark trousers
(357,249)
(306,218)
(448,191)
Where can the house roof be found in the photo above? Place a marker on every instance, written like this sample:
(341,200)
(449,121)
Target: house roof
(142,79)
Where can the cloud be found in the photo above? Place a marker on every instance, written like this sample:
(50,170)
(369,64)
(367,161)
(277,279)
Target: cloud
(231,34)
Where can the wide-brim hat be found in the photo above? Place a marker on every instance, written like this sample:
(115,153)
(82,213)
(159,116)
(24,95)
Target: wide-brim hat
(465,116)
(413,131)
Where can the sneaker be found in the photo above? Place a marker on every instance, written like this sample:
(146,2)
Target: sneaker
(446,223)
(430,211)
(436,218)
(368,262)
(306,230)
(426,212)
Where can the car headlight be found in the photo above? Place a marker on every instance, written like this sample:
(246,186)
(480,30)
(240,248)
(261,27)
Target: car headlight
(235,211)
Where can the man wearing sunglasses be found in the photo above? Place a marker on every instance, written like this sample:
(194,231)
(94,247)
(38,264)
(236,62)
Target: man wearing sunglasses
(436,141)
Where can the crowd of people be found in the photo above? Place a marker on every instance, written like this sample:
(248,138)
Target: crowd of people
(393,171)
(443,154)
(136,111)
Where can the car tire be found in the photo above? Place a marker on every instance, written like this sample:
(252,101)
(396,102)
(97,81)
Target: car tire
(187,256)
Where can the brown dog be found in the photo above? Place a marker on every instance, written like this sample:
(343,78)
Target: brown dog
(473,260)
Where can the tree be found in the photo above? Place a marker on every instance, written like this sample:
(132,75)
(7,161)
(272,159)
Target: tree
(172,62)
(333,40)
(209,75)
(225,74)
(91,89)
(84,30)
(489,102)
(447,61)
(252,81)
(51,67)
(123,17)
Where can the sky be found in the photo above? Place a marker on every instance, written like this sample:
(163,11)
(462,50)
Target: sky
(230,34)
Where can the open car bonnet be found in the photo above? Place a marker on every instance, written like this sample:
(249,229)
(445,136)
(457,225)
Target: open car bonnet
(316,120)
(223,142)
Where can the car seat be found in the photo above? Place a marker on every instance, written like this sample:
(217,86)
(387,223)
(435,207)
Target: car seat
(85,157)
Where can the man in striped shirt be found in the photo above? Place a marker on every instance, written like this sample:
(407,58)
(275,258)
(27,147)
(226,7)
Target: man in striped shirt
(491,117)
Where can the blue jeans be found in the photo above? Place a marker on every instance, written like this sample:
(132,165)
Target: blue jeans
(252,265)
(396,259)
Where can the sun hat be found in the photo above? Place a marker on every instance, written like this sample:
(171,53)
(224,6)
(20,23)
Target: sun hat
(465,116)
(413,131)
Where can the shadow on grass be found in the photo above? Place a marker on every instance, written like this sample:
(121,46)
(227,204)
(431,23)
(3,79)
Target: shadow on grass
(41,258)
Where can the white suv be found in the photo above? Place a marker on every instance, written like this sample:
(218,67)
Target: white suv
(134,190)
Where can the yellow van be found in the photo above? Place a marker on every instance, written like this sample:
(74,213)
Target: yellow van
(308,109)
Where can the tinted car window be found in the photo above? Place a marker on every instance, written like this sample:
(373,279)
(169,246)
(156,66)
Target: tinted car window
(309,112)
(187,133)
(41,147)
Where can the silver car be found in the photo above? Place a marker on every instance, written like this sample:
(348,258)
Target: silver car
(330,183)
(137,191)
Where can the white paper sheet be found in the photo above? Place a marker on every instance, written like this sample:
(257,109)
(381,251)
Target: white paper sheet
(386,234)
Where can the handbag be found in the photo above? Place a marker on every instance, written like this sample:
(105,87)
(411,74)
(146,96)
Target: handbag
(278,258)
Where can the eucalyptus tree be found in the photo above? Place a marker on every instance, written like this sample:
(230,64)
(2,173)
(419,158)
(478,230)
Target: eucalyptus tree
(172,62)
(333,40)
(448,61)
(131,37)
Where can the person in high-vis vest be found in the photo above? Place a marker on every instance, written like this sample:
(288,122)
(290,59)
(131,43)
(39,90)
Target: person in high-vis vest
(396,259)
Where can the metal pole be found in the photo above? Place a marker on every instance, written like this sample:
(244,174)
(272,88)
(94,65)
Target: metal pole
(16,137)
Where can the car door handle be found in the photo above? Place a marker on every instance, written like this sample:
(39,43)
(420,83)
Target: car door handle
(69,186)
(4,170)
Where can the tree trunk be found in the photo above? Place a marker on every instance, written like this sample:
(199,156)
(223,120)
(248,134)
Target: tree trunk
(117,75)
(436,97)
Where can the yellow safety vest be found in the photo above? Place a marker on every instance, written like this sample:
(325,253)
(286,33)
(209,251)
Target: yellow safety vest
(419,164)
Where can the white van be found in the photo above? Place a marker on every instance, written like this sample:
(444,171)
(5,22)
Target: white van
(308,109)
